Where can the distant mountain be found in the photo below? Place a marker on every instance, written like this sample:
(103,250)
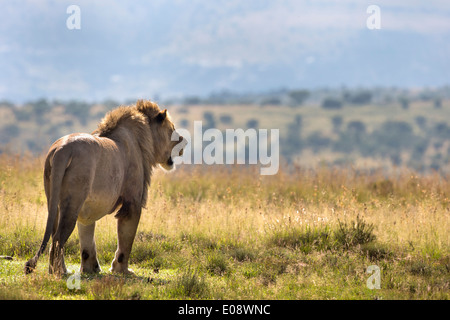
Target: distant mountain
(177,48)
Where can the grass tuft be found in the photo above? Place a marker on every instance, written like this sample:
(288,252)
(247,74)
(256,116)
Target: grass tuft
(190,284)
(354,233)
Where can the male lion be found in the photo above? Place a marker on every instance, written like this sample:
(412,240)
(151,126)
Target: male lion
(88,176)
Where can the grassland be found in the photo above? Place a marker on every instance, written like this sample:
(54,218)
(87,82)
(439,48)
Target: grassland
(229,233)
(309,134)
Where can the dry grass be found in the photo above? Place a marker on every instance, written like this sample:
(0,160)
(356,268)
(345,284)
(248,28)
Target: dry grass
(229,233)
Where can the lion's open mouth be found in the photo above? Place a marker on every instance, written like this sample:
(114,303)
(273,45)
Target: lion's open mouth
(168,165)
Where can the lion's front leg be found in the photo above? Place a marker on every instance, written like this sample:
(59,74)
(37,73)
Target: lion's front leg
(127,223)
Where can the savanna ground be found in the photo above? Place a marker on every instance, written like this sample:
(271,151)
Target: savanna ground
(229,233)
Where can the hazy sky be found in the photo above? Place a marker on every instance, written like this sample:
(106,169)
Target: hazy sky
(137,49)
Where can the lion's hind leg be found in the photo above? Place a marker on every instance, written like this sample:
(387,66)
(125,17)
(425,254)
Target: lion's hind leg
(89,261)
(70,206)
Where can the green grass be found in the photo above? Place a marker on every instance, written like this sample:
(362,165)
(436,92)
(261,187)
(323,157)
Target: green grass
(274,273)
(219,234)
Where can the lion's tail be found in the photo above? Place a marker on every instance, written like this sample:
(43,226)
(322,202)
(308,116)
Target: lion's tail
(61,160)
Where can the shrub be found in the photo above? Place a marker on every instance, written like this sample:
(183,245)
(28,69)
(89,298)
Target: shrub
(420,268)
(271,101)
(421,121)
(190,284)
(358,98)
(404,102)
(144,252)
(9,132)
(298,96)
(210,122)
(331,103)
(252,123)
(306,239)
(354,233)
(184,123)
(192,100)
(356,127)
(40,108)
(216,264)
(79,109)
(383,188)
(337,123)
(393,136)
(317,141)
(226,119)
(437,103)
(376,251)
(242,254)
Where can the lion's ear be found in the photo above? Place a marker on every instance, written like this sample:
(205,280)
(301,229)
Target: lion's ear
(161,116)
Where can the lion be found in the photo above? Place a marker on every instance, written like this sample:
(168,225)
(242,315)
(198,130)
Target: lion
(88,176)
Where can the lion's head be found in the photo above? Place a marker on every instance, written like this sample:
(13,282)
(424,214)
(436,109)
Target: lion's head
(163,131)
(152,127)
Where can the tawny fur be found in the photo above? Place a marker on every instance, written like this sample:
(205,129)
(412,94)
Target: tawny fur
(87,176)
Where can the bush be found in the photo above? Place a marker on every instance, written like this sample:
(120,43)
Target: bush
(293,138)
(22,114)
(383,188)
(41,107)
(305,239)
(9,132)
(243,254)
(420,268)
(358,98)
(421,121)
(190,284)
(216,263)
(357,127)
(226,119)
(331,103)
(337,123)
(404,102)
(318,141)
(144,252)
(253,123)
(355,137)
(355,233)
(22,242)
(442,130)
(193,100)
(271,101)
(111,104)
(393,136)
(210,122)
(184,123)
(79,109)
(298,96)
(375,251)
(437,103)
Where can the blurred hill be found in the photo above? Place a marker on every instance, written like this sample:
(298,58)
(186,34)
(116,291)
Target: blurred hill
(367,127)
(137,48)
